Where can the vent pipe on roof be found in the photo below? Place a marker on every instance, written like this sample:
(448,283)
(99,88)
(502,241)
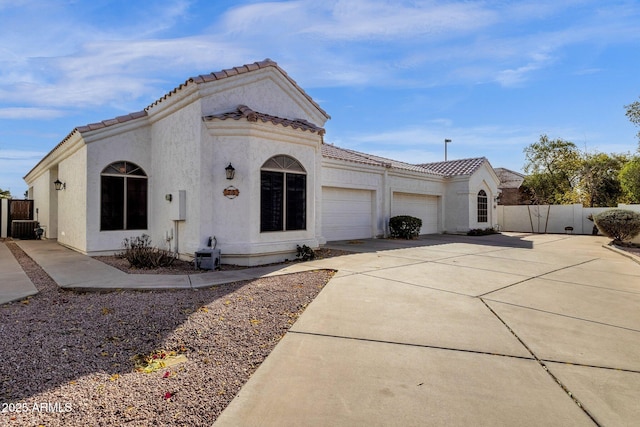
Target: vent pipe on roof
(446,141)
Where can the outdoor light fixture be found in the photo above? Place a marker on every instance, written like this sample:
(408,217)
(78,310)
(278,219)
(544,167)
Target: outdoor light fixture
(446,141)
(59,185)
(231,171)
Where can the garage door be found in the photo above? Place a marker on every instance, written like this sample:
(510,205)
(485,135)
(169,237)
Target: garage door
(346,213)
(419,206)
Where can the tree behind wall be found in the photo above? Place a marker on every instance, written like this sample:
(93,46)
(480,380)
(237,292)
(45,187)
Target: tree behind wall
(599,184)
(630,180)
(633,114)
(5,194)
(553,170)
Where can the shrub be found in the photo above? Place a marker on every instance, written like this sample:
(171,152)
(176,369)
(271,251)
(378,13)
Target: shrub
(305,253)
(482,231)
(140,254)
(618,224)
(404,226)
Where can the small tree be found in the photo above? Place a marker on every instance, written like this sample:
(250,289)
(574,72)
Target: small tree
(553,170)
(619,224)
(5,194)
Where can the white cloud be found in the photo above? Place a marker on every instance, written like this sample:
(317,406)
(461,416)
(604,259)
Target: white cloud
(29,113)
(20,155)
(13,165)
(361,19)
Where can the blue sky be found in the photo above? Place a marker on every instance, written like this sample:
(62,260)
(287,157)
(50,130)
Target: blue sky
(397,77)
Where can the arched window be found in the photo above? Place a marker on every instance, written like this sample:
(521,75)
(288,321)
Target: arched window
(123,197)
(283,195)
(482,206)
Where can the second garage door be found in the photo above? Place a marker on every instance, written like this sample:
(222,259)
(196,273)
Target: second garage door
(420,206)
(346,213)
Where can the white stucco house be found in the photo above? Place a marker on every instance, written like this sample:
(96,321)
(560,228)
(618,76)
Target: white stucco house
(162,171)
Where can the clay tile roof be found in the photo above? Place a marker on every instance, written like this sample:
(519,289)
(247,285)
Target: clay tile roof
(244,112)
(456,167)
(333,152)
(111,122)
(223,74)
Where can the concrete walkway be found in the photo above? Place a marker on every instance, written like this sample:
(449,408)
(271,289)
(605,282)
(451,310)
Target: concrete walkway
(72,270)
(14,283)
(447,330)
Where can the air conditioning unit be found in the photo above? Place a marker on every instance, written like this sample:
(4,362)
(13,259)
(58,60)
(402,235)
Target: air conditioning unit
(24,229)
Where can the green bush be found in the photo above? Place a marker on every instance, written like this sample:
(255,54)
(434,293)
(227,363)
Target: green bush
(482,231)
(404,226)
(618,224)
(140,254)
(305,253)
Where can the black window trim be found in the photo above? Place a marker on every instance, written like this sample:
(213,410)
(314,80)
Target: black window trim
(136,172)
(483,207)
(297,170)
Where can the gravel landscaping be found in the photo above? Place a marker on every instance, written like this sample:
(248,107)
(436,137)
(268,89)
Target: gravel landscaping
(78,359)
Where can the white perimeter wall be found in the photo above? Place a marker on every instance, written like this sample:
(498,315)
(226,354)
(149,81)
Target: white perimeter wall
(551,218)
(4,217)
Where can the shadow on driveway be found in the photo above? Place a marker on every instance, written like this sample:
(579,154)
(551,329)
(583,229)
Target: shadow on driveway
(511,240)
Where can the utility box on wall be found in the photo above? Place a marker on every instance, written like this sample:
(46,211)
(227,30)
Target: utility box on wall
(179,205)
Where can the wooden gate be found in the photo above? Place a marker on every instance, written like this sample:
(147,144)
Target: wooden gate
(20,210)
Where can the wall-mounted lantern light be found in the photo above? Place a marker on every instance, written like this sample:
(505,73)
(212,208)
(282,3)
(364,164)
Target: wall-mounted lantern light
(59,185)
(168,197)
(231,171)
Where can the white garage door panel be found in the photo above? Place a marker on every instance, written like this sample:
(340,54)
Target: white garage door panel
(346,213)
(419,206)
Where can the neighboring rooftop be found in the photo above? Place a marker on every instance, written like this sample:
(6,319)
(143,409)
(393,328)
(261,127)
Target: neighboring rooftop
(509,178)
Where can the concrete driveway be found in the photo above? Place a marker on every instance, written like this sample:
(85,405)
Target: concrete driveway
(448,330)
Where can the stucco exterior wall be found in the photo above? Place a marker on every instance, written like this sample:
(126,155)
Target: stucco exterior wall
(72,201)
(456,205)
(177,163)
(236,222)
(265,91)
(127,142)
(45,202)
